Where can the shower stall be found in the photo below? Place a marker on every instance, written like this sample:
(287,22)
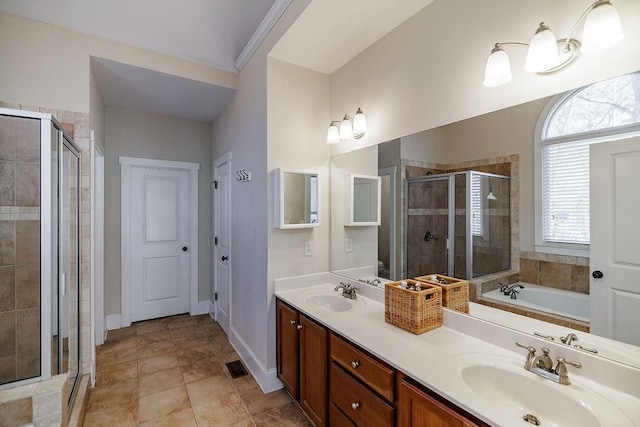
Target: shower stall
(39,251)
(457,224)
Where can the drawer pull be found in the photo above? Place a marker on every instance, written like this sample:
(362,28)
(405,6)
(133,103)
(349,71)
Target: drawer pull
(355,364)
(355,406)
(293,322)
(299,327)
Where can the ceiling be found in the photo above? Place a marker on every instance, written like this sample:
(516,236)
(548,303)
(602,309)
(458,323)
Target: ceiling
(330,33)
(210,32)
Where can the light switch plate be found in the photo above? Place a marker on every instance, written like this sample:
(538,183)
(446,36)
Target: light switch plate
(308,247)
(348,245)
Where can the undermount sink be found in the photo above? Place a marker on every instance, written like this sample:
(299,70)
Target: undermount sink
(331,302)
(502,384)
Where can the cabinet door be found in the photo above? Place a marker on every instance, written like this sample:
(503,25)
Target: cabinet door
(417,409)
(287,345)
(314,354)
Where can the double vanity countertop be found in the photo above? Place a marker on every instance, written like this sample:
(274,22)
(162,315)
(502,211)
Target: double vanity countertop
(473,363)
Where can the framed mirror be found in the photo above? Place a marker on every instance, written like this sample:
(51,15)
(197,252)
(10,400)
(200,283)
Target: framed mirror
(363,200)
(297,204)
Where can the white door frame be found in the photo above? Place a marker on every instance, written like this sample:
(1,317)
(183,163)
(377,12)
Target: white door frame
(225,158)
(127,164)
(391,172)
(97,251)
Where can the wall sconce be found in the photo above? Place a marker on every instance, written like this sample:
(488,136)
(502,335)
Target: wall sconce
(547,55)
(347,128)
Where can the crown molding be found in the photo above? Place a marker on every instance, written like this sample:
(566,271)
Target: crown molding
(258,37)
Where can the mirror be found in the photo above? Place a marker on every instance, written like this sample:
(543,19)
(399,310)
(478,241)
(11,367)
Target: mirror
(297,204)
(363,200)
(502,143)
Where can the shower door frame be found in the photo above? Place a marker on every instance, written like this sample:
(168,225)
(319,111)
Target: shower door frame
(451,241)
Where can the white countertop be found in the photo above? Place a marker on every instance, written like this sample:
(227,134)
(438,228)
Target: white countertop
(431,358)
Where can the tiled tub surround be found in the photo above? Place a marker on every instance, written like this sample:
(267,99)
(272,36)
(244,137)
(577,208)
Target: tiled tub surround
(19,248)
(417,355)
(76,124)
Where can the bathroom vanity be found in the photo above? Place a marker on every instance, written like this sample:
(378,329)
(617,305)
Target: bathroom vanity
(346,366)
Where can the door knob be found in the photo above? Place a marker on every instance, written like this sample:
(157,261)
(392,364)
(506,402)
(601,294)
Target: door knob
(597,274)
(224,258)
(184,249)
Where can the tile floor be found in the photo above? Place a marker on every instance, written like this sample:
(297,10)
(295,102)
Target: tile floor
(171,372)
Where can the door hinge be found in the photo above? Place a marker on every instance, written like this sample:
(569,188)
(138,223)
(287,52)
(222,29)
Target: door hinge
(215,241)
(215,185)
(215,296)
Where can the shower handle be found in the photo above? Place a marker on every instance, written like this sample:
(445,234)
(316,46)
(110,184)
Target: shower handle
(428,236)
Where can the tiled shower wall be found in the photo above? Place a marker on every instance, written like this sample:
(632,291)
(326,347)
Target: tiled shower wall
(50,407)
(19,248)
(570,273)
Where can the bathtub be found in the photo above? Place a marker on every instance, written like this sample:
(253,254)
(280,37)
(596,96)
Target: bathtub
(549,300)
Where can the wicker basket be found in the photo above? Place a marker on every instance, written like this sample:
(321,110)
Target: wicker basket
(455,292)
(414,311)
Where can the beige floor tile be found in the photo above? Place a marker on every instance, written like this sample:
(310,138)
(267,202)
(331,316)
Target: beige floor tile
(187,332)
(117,346)
(161,404)
(156,349)
(181,322)
(159,381)
(115,357)
(152,326)
(122,415)
(205,318)
(181,418)
(120,334)
(193,341)
(226,411)
(255,400)
(212,330)
(187,356)
(204,391)
(103,396)
(202,369)
(284,416)
(153,337)
(119,372)
(149,365)
(222,346)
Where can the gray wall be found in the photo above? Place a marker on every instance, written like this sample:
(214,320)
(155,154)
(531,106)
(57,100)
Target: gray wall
(135,134)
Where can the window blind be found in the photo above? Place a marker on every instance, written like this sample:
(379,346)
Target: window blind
(565,192)
(476,205)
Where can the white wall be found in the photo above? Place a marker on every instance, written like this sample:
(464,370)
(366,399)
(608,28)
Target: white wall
(48,66)
(242,129)
(151,136)
(295,92)
(429,70)
(97,111)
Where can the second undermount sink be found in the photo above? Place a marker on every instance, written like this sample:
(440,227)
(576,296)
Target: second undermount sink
(516,395)
(331,301)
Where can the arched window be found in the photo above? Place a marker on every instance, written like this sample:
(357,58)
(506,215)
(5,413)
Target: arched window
(600,112)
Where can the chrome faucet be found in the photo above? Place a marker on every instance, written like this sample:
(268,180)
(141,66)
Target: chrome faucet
(571,337)
(348,290)
(543,365)
(510,290)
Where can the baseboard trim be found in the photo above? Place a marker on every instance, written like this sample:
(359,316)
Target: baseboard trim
(203,307)
(212,310)
(267,379)
(114,321)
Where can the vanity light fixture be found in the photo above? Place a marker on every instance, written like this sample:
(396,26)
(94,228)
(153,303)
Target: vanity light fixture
(347,128)
(548,55)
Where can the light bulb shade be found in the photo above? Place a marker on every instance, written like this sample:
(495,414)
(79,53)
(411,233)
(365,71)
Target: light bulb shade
(602,28)
(346,128)
(333,134)
(498,69)
(359,123)
(543,51)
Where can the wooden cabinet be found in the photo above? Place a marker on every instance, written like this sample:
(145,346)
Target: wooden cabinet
(416,408)
(303,357)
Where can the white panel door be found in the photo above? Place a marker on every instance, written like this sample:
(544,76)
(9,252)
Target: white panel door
(159,238)
(222,240)
(615,240)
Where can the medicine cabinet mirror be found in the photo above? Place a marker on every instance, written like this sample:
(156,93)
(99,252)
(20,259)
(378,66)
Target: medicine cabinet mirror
(363,200)
(297,204)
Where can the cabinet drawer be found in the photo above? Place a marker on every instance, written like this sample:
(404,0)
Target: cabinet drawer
(338,419)
(375,374)
(361,405)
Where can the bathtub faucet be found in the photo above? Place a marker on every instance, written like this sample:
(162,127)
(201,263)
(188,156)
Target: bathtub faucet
(510,290)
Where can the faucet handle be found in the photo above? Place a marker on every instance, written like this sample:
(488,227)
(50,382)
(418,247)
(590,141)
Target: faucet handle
(530,355)
(562,361)
(526,347)
(561,370)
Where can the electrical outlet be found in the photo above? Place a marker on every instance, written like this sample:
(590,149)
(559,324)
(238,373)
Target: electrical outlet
(348,245)
(308,248)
